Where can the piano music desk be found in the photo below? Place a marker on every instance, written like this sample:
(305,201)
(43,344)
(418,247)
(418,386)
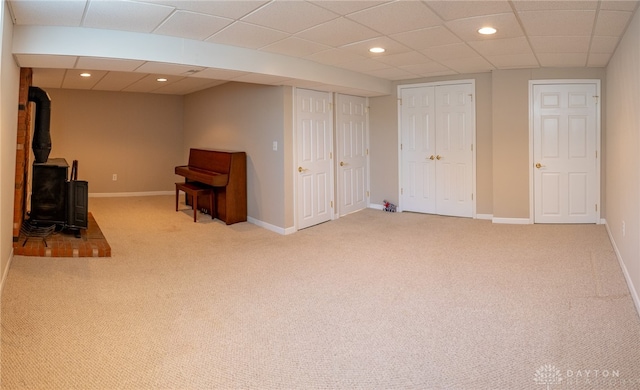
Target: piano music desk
(195,190)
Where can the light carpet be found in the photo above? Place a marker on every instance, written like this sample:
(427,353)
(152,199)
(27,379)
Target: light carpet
(373,300)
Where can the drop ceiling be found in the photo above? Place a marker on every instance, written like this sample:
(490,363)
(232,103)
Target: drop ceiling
(312,44)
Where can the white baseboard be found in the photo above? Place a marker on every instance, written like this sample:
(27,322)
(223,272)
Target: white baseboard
(511,221)
(127,194)
(273,228)
(632,289)
(488,217)
(376,206)
(5,272)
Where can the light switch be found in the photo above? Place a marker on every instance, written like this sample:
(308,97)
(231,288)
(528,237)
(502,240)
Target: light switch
(275,145)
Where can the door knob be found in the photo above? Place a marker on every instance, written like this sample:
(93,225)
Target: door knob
(538,165)
(438,157)
(432,157)
(342,164)
(300,169)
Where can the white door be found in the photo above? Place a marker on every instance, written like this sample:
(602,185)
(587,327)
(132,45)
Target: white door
(454,150)
(314,140)
(565,177)
(418,149)
(437,131)
(351,123)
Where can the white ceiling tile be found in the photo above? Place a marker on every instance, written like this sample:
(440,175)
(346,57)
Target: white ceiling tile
(560,44)
(114,64)
(450,52)
(289,16)
(392,74)
(187,85)
(391,47)
(48,78)
(562,60)
(555,5)
(513,61)
(125,15)
(603,44)
(335,56)
(426,37)
(426,68)
(366,65)
(48,13)
(348,6)
(150,83)
(117,81)
(295,47)
(558,23)
(598,59)
(73,80)
(450,10)
(412,57)
(618,5)
(232,9)
(192,25)
(247,35)
(469,65)
(413,14)
(45,61)
(338,32)
(612,23)
(467,29)
(496,47)
(168,69)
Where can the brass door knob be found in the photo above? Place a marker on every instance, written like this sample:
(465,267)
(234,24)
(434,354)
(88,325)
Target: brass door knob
(538,165)
(438,157)
(432,157)
(342,164)
(300,169)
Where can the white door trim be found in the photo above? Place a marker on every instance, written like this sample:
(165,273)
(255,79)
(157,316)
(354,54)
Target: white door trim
(473,136)
(532,83)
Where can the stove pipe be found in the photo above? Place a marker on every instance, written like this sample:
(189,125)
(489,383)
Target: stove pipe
(41,134)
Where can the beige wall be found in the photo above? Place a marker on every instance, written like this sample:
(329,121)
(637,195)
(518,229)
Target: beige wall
(623,152)
(9,87)
(134,135)
(249,118)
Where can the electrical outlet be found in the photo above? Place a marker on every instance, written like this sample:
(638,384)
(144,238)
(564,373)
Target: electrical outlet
(275,145)
(114,177)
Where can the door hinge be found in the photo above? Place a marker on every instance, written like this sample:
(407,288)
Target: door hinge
(330,106)
(366,110)
(472,147)
(330,155)
(401,191)
(400,146)
(597,98)
(367,194)
(331,204)
(472,196)
(596,207)
(471,96)
(596,154)
(400,101)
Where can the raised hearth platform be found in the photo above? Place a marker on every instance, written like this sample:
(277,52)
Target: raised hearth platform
(91,243)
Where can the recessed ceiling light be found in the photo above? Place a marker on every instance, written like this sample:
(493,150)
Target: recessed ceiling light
(487,30)
(161,79)
(85,74)
(377,50)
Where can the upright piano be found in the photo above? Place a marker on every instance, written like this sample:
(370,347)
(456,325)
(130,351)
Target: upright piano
(226,173)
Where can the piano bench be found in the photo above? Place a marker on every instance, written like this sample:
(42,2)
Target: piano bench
(195,190)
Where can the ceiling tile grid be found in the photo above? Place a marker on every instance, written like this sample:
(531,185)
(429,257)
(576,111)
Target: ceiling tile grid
(421,38)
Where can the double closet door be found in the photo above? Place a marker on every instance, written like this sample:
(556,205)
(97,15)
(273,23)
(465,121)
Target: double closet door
(437,125)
